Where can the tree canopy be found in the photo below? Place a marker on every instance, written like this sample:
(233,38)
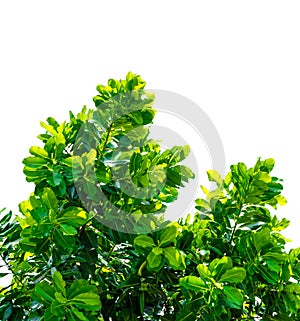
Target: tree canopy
(91,242)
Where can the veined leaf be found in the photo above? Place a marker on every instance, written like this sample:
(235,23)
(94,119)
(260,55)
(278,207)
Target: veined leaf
(43,293)
(175,259)
(64,241)
(89,301)
(68,229)
(79,287)
(50,200)
(193,283)
(59,283)
(155,259)
(38,151)
(144,241)
(234,275)
(233,297)
(168,235)
(203,271)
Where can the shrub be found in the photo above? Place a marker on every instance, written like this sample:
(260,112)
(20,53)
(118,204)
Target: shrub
(75,255)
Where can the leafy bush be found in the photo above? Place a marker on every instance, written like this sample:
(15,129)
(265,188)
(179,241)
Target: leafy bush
(225,262)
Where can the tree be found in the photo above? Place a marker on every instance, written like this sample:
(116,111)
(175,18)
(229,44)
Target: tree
(83,249)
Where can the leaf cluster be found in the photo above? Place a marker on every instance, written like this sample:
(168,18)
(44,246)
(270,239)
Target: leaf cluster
(77,254)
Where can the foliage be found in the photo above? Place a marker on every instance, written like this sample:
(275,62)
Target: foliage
(227,261)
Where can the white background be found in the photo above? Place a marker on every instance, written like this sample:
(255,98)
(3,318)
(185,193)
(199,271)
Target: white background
(238,60)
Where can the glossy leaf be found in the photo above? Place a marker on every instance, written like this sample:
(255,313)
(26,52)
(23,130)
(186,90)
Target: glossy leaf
(233,297)
(193,283)
(174,258)
(144,241)
(168,235)
(234,275)
(59,283)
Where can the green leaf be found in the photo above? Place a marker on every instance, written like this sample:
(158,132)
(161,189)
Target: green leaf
(234,275)
(38,151)
(74,216)
(28,245)
(233,297)
(218,266)
(203,271)
(38,213)
(57,307)
(50,200)
(67,161)
(261,238)
(62,240)
(79,287)
(78,314)
(214,176)
(60,298)
(268,274)
(68,229)
(202,204)
(155,259)
(43,293)
(88,301)
(34,162)
(135,162)
(50,129)
(174,258)
(168,235)
(54,178)
(60,140)
(180,152)
(281,200)
(144,241)
(59,283)
(292,288)
(193,283)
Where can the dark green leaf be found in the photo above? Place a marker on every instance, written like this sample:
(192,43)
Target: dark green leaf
(233,297)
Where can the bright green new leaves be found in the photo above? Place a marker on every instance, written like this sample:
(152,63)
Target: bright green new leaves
(108,149)
(115,87)
(175,258)
(78,302)
(214,279)
(113,154)
(170,255)
(155,259)
(39,153)
(255,185)
(235,220)
(218,266)
(43,220)
(168,235)
(50,166)
(160,252)
(214,176)
(225,262)
(144,241)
